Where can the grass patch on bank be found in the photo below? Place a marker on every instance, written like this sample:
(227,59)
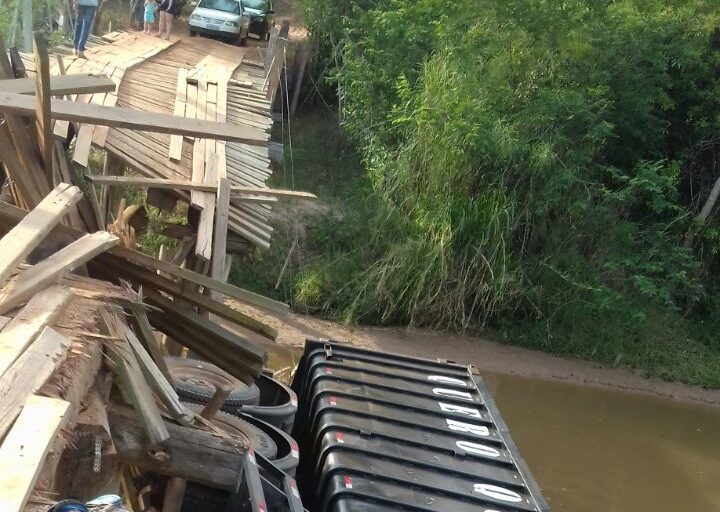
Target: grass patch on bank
(317,159)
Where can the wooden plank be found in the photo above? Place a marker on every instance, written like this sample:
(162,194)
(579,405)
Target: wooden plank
(28,375)
(23,452)
(42,310)
(133,119)
(204,245)
(191,101)
(60,128)
(62,85)
(84,138)
(42,100)
(221,227)
(134,386)
(101,132)
(155,378)
(203,457)
(199,164)
(146,335)
(176,141)
(134,181)
(53,268)
(26,235)
(174,495)
(199,279)
(114,267)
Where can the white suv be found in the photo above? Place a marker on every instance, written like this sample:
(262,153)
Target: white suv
(222,19)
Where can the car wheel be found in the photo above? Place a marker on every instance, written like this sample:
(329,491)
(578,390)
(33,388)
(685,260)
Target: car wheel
(193,33)
(195,381)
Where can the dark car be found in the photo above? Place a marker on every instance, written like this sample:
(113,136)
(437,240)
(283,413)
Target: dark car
(262,17)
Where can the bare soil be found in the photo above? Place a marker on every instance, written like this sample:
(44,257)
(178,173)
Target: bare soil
(483,353)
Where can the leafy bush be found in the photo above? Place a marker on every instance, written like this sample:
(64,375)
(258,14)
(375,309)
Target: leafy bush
(528,161)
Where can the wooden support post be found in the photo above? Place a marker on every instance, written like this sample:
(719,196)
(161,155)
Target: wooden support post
(301,58)
(42,101)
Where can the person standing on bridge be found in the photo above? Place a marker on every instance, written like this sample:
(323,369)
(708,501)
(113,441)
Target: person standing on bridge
(85,10)
(168,10)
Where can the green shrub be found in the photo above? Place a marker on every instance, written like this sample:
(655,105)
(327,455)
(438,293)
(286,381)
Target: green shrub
(526,162)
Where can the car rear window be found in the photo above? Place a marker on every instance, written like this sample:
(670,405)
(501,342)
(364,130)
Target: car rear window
(231,6)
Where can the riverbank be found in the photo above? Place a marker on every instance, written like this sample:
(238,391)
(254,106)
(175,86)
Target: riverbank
(485,354)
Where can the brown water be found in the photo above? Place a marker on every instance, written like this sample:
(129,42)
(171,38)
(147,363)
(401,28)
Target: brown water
(598,450)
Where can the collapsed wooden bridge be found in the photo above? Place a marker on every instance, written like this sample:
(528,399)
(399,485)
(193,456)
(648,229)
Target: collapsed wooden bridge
(81,308)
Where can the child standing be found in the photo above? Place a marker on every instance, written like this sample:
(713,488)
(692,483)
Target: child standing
(150,7)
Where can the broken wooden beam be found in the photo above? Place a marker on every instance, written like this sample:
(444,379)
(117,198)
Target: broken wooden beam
(148,339)
(155,378)
(134,181)
(117,117)
(191,453)
(133,384)
(62,85)
(42,310)
(27,375)
(28,233)
(53,268)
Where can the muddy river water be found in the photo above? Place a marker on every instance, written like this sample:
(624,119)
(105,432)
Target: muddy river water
(600,450)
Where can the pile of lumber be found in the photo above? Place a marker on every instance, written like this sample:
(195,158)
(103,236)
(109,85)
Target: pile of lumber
(127,325)
(86,320)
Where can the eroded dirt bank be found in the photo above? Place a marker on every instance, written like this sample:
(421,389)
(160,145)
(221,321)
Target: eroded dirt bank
(484,354)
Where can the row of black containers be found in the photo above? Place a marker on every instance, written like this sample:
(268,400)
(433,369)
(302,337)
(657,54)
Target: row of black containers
(380,432)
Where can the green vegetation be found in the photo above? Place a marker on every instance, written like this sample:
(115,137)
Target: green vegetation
(535,167)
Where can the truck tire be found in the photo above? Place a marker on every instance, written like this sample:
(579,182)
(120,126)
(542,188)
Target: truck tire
(261,442)
(200,498)
(193,380)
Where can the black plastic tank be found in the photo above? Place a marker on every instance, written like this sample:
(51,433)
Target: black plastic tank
(380,432)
